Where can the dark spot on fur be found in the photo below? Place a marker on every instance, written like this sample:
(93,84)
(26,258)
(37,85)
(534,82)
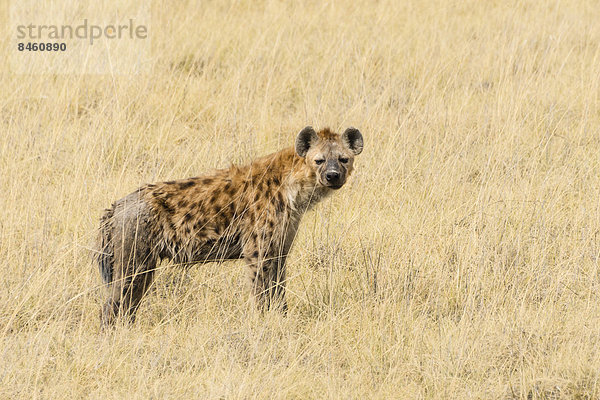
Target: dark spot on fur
(170,182)
(188,217)
(186,184)
(255,254)
(226,213)
(182,204)
(279,203)
(271,224)
(276,181)
(206,181)
(280,207)
(216,209)
(162,202)
(256,197)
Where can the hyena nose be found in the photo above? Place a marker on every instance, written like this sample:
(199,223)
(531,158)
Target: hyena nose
(332,176)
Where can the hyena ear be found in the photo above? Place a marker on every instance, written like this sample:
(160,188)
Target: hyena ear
(305,139)
(352,138)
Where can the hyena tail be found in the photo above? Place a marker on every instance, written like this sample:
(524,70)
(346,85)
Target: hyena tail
(105,254)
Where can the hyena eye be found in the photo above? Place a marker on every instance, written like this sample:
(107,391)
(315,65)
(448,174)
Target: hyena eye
(319,162)
(343,160)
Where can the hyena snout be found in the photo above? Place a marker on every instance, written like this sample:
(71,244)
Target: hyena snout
(333,177)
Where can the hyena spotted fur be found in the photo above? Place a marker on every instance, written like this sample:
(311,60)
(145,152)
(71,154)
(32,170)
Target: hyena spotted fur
(250,212)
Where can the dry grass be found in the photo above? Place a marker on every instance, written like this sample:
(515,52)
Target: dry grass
(462,261)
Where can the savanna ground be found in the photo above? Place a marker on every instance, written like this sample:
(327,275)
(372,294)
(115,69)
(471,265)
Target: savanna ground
(461,261)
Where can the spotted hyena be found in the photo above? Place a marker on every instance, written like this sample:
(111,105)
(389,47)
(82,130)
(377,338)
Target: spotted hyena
(250,212)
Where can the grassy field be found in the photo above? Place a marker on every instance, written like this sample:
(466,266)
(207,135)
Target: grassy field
(461,261)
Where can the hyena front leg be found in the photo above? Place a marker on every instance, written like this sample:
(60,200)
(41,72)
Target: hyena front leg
(267,278)
(277,288)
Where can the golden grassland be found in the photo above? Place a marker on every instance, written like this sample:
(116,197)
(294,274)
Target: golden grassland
(461,261)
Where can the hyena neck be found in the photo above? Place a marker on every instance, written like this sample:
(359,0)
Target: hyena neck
(298,183)
(302,196)
(301,189)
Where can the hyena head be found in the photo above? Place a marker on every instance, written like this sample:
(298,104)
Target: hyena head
(329,155)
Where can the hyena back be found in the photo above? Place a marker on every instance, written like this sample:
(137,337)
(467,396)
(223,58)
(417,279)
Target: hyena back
(249,213)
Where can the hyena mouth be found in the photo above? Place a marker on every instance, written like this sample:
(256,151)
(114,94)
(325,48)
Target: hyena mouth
(335,186)
(331,185)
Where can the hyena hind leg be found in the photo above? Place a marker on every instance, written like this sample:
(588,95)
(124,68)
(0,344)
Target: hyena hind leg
(125,297)
(130,267)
